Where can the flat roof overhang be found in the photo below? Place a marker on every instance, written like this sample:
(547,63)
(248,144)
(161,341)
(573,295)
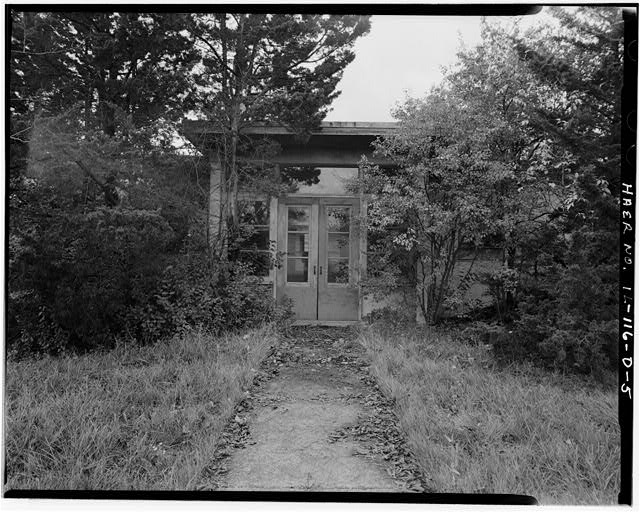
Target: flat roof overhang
(333,144)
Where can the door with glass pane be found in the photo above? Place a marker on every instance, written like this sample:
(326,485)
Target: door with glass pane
(318,271)
(298,242)
(337,260)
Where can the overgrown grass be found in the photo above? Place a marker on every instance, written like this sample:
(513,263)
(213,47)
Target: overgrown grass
(478,428)
(133,418)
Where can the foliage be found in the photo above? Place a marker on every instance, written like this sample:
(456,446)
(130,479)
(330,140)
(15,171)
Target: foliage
(503,287)
(391,318)
(519,148)
(573,326)
(280,67)
(443,198)
(108,220)
(192,293)
(570,310)
(135,63)
(111,273)
(267,68)
(83,273)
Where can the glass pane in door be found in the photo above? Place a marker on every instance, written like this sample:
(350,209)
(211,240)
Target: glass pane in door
(298,219)
(338,230)
(338,245)
(297,270)
(338,219)
(298,241)
(338,271)
(298,244)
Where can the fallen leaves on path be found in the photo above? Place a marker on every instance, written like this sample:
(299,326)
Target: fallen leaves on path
(377,429)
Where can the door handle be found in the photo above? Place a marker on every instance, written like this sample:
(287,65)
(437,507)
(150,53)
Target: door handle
(320,269)
(314,270)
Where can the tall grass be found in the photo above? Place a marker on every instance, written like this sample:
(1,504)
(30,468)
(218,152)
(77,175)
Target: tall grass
(475,427)
(133,418)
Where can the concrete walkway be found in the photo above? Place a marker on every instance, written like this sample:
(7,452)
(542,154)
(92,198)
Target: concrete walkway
(296,423)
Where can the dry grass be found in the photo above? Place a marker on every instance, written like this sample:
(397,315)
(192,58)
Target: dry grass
(133,418)
(477,428)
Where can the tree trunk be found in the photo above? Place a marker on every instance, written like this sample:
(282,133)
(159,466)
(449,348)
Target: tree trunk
(233,175)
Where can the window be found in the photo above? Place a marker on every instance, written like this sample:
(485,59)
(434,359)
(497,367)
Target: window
(320,180)
(338,223)
(298,244)
(254,235)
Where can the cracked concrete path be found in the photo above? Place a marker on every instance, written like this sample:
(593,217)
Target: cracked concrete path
(296,425)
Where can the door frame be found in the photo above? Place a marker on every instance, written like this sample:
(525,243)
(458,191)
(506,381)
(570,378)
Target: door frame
(278,234)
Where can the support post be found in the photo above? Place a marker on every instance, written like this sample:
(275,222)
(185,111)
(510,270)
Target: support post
(362,260)
(273,238)
(273,231)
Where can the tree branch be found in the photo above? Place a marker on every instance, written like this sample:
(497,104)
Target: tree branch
(40,53)
(215,53)
(89,173)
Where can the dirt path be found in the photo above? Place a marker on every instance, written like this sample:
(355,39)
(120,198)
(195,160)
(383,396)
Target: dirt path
(314,420)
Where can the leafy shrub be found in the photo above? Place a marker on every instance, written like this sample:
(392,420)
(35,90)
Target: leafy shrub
(570,324)
(193,292)
(503,286)
(81,277)
(111,273)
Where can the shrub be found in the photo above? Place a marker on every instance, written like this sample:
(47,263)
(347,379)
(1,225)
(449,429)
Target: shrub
(194,292)
(570,325)
(73,283)
(111,273)
(503,286)
(482,333)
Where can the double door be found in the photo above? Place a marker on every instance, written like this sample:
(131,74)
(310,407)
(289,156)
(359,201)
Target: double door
(319,241)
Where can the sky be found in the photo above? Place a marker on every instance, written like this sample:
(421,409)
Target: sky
(401,55)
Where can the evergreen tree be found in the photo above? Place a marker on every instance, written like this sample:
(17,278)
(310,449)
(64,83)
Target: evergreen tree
(278,68)
(135,63)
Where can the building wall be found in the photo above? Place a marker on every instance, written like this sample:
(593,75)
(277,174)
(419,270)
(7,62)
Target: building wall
(403,300)
(474,295)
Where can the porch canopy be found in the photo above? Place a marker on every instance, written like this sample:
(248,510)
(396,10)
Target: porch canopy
(333,144)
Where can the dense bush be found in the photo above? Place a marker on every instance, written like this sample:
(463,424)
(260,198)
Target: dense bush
(567,323)
(503,286)
(571,325)
(193,292)
(82,275)
(116,290)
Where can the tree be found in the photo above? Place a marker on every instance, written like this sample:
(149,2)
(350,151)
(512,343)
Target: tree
(570,310)
(582,63)
(532,120)
(106,237)
(471,159)
(136,63)
(268,68)
(442,198)
(115,73)
(90,96)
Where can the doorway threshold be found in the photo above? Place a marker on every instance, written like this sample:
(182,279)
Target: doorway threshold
(302,322)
